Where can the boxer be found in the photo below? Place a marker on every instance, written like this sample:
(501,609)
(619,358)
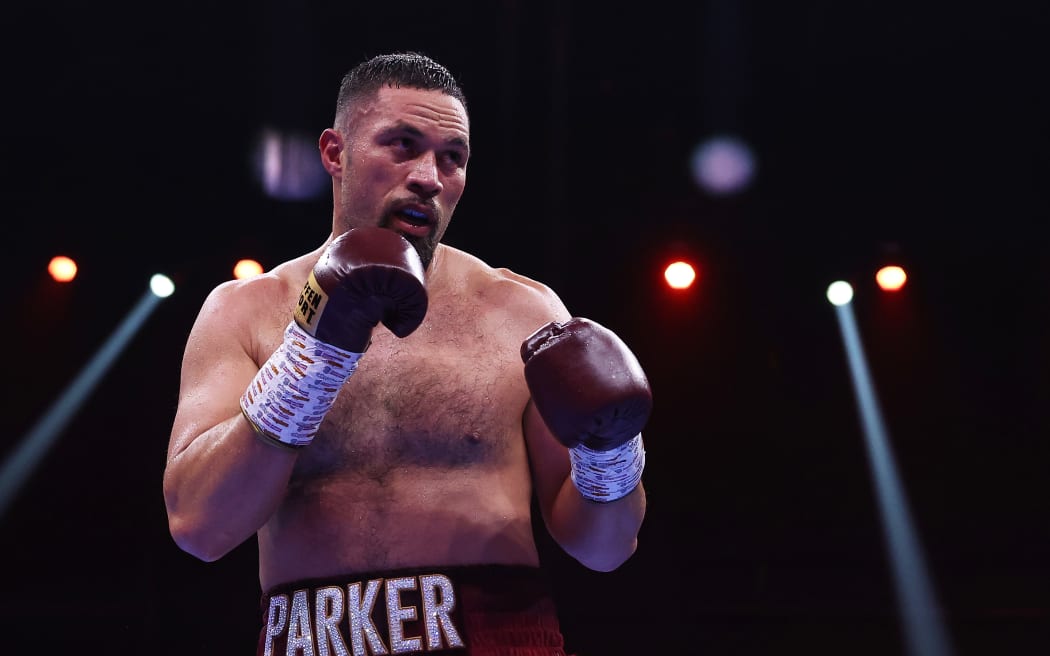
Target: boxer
(383,413)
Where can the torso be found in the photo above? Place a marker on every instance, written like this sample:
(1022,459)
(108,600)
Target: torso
(421,461)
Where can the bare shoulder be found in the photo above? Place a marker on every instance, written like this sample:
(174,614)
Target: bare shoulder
(233,300)
(250,310)
(532,301)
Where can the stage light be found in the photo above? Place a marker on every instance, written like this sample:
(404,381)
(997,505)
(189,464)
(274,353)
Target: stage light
(246,269)
(161,285)
(923,629)
(288,166)
(680,275)
(840,292)
(723,165)
(62,268)
(31,449)
(891,278)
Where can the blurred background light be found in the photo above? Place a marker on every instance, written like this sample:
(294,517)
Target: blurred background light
(723,165)
(288,166)
(891,278)
(246,268)
(840,292)
(161,285)
(62,268)
(680,275)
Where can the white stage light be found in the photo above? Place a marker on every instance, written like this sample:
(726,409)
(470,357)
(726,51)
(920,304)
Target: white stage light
(723,165)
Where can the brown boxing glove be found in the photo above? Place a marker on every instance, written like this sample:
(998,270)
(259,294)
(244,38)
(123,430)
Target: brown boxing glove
(592,393)
(365,276)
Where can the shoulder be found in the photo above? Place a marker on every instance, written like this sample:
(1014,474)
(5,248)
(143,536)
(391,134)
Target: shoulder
(258,300)
(504,288)
(260,290)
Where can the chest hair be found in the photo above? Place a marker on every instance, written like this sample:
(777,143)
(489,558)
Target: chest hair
(448,396)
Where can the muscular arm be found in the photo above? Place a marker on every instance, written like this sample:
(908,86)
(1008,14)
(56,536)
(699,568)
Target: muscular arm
(601,536)
(221,483)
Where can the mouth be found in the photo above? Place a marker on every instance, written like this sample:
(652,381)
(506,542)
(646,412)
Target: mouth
(413,220)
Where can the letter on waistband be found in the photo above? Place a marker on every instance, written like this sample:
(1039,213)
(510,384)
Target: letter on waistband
(359,614)
(437,614)
(328,612)
(300,630)
(276,617)
(397,614)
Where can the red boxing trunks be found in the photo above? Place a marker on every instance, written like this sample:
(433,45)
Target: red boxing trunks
(484,610)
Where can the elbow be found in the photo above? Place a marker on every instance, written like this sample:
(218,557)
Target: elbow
(190,531)
(607,560)
(193,538)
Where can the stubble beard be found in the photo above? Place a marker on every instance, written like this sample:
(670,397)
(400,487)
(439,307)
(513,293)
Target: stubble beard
(425,246)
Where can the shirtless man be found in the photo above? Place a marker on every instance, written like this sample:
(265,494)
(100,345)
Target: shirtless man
(381,411)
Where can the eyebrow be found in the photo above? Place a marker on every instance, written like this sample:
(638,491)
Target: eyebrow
(401,126)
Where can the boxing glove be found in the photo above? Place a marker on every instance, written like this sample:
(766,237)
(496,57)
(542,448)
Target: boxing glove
(366,276)
(593,395)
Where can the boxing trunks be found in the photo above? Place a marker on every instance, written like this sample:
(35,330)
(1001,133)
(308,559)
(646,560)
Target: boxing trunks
(484,610)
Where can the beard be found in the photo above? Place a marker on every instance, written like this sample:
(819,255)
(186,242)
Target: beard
(425,246)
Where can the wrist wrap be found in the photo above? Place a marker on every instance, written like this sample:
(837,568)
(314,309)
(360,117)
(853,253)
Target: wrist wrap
(295,388)
(605,476)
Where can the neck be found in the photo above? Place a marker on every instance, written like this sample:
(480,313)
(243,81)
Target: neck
(435,272)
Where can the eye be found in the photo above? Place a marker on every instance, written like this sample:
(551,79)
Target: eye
(455,157)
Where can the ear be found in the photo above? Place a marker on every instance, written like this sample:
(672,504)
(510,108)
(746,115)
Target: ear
(331,146)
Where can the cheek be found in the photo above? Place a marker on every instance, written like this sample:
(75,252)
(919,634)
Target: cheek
(359,199)
(453,189)
(366,176)
(366,164)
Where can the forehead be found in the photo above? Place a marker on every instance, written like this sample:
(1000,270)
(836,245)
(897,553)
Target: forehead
(424,109)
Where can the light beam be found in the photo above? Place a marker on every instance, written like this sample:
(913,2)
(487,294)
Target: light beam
(32,448)
(923,629)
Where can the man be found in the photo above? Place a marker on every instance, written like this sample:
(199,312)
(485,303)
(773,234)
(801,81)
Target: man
(381,411)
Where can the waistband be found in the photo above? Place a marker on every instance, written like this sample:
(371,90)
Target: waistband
(480,610)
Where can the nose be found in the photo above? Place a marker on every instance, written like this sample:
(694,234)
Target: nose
(424,178)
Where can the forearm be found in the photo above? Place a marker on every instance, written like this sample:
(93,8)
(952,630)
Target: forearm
(223,487)
(601,536)
(588,393)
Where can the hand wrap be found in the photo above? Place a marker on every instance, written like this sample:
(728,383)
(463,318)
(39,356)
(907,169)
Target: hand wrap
(605,476)
(295,387)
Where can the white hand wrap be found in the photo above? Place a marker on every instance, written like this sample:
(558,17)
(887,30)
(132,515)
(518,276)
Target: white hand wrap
(605,476)
(295,388)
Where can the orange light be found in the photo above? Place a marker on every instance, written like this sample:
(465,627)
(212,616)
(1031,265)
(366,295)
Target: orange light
(680,275)
(891,278)
(62,268)
(246,269)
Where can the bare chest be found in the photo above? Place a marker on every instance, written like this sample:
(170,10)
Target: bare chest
(449,396)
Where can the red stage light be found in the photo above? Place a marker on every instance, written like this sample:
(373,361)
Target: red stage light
(680,274)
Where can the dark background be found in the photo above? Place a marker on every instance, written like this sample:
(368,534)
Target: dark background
(912,131)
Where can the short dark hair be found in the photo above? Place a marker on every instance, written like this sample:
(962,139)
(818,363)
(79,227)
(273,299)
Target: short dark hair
(399,69)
